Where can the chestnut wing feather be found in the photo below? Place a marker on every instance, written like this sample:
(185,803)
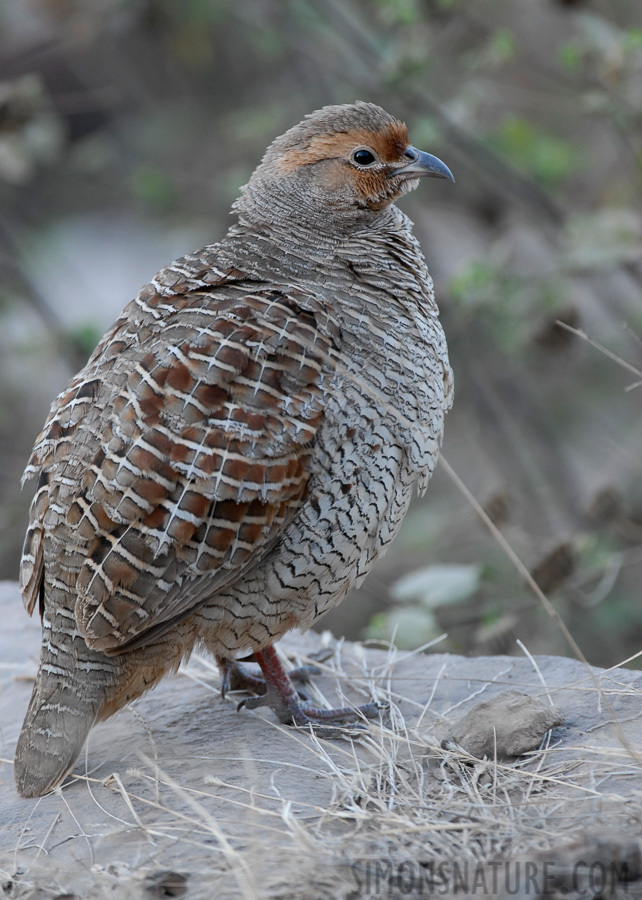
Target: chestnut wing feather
(202,428)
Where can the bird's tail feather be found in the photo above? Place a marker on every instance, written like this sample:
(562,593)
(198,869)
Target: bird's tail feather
(57,722)
(67,699)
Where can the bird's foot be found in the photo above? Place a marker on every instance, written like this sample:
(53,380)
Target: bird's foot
(235,676)
(281,696)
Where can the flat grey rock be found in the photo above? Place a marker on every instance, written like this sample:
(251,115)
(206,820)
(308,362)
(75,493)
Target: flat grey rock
(181,795)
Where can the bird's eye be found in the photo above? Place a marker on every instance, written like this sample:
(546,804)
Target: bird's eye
(363,157)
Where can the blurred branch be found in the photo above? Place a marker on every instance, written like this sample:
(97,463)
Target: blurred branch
(515,560)
(617,359)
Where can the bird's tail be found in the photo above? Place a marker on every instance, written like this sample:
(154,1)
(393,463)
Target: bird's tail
(57,722)
(66,700)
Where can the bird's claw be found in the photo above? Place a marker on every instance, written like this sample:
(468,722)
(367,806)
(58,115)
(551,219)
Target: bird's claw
(236,677)
(291,707)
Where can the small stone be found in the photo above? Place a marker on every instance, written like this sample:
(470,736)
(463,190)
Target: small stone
(507,726)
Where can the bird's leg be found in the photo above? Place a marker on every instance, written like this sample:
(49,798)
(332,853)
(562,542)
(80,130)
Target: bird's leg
(236,677)
(282,698)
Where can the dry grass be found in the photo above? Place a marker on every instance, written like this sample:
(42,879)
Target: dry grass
(397,806)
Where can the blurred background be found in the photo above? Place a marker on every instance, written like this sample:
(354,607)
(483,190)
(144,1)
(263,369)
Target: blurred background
(126,129)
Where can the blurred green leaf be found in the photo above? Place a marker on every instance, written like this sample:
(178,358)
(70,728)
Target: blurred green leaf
(633,39)
(425,132)
(401,12)
(503,45)
(602,239)
(491,54)
(475,285)
(570,55)
(255,123)
(191,13)
(83,339)
(410,627)
(547,158)
(437,585)
(153,186)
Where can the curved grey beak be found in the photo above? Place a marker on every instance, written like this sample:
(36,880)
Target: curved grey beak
(423,164)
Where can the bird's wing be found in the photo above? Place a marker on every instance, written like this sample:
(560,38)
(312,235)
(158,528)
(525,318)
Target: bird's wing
(193,430)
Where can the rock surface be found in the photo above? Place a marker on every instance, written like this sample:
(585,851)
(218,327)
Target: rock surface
(180,795)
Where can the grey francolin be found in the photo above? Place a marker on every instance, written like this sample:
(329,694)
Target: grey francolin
(242,444)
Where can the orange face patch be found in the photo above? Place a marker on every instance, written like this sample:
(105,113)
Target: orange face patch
(388,143)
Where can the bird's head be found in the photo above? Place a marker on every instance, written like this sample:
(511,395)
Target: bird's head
(339,165)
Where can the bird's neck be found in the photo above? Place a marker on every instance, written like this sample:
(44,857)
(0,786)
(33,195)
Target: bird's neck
(375,274)
(311,253)
(282,242)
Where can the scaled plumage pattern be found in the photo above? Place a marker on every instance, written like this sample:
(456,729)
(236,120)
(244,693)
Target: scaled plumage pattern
(242,444)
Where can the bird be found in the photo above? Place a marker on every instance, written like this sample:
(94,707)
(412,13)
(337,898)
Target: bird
(242,444)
